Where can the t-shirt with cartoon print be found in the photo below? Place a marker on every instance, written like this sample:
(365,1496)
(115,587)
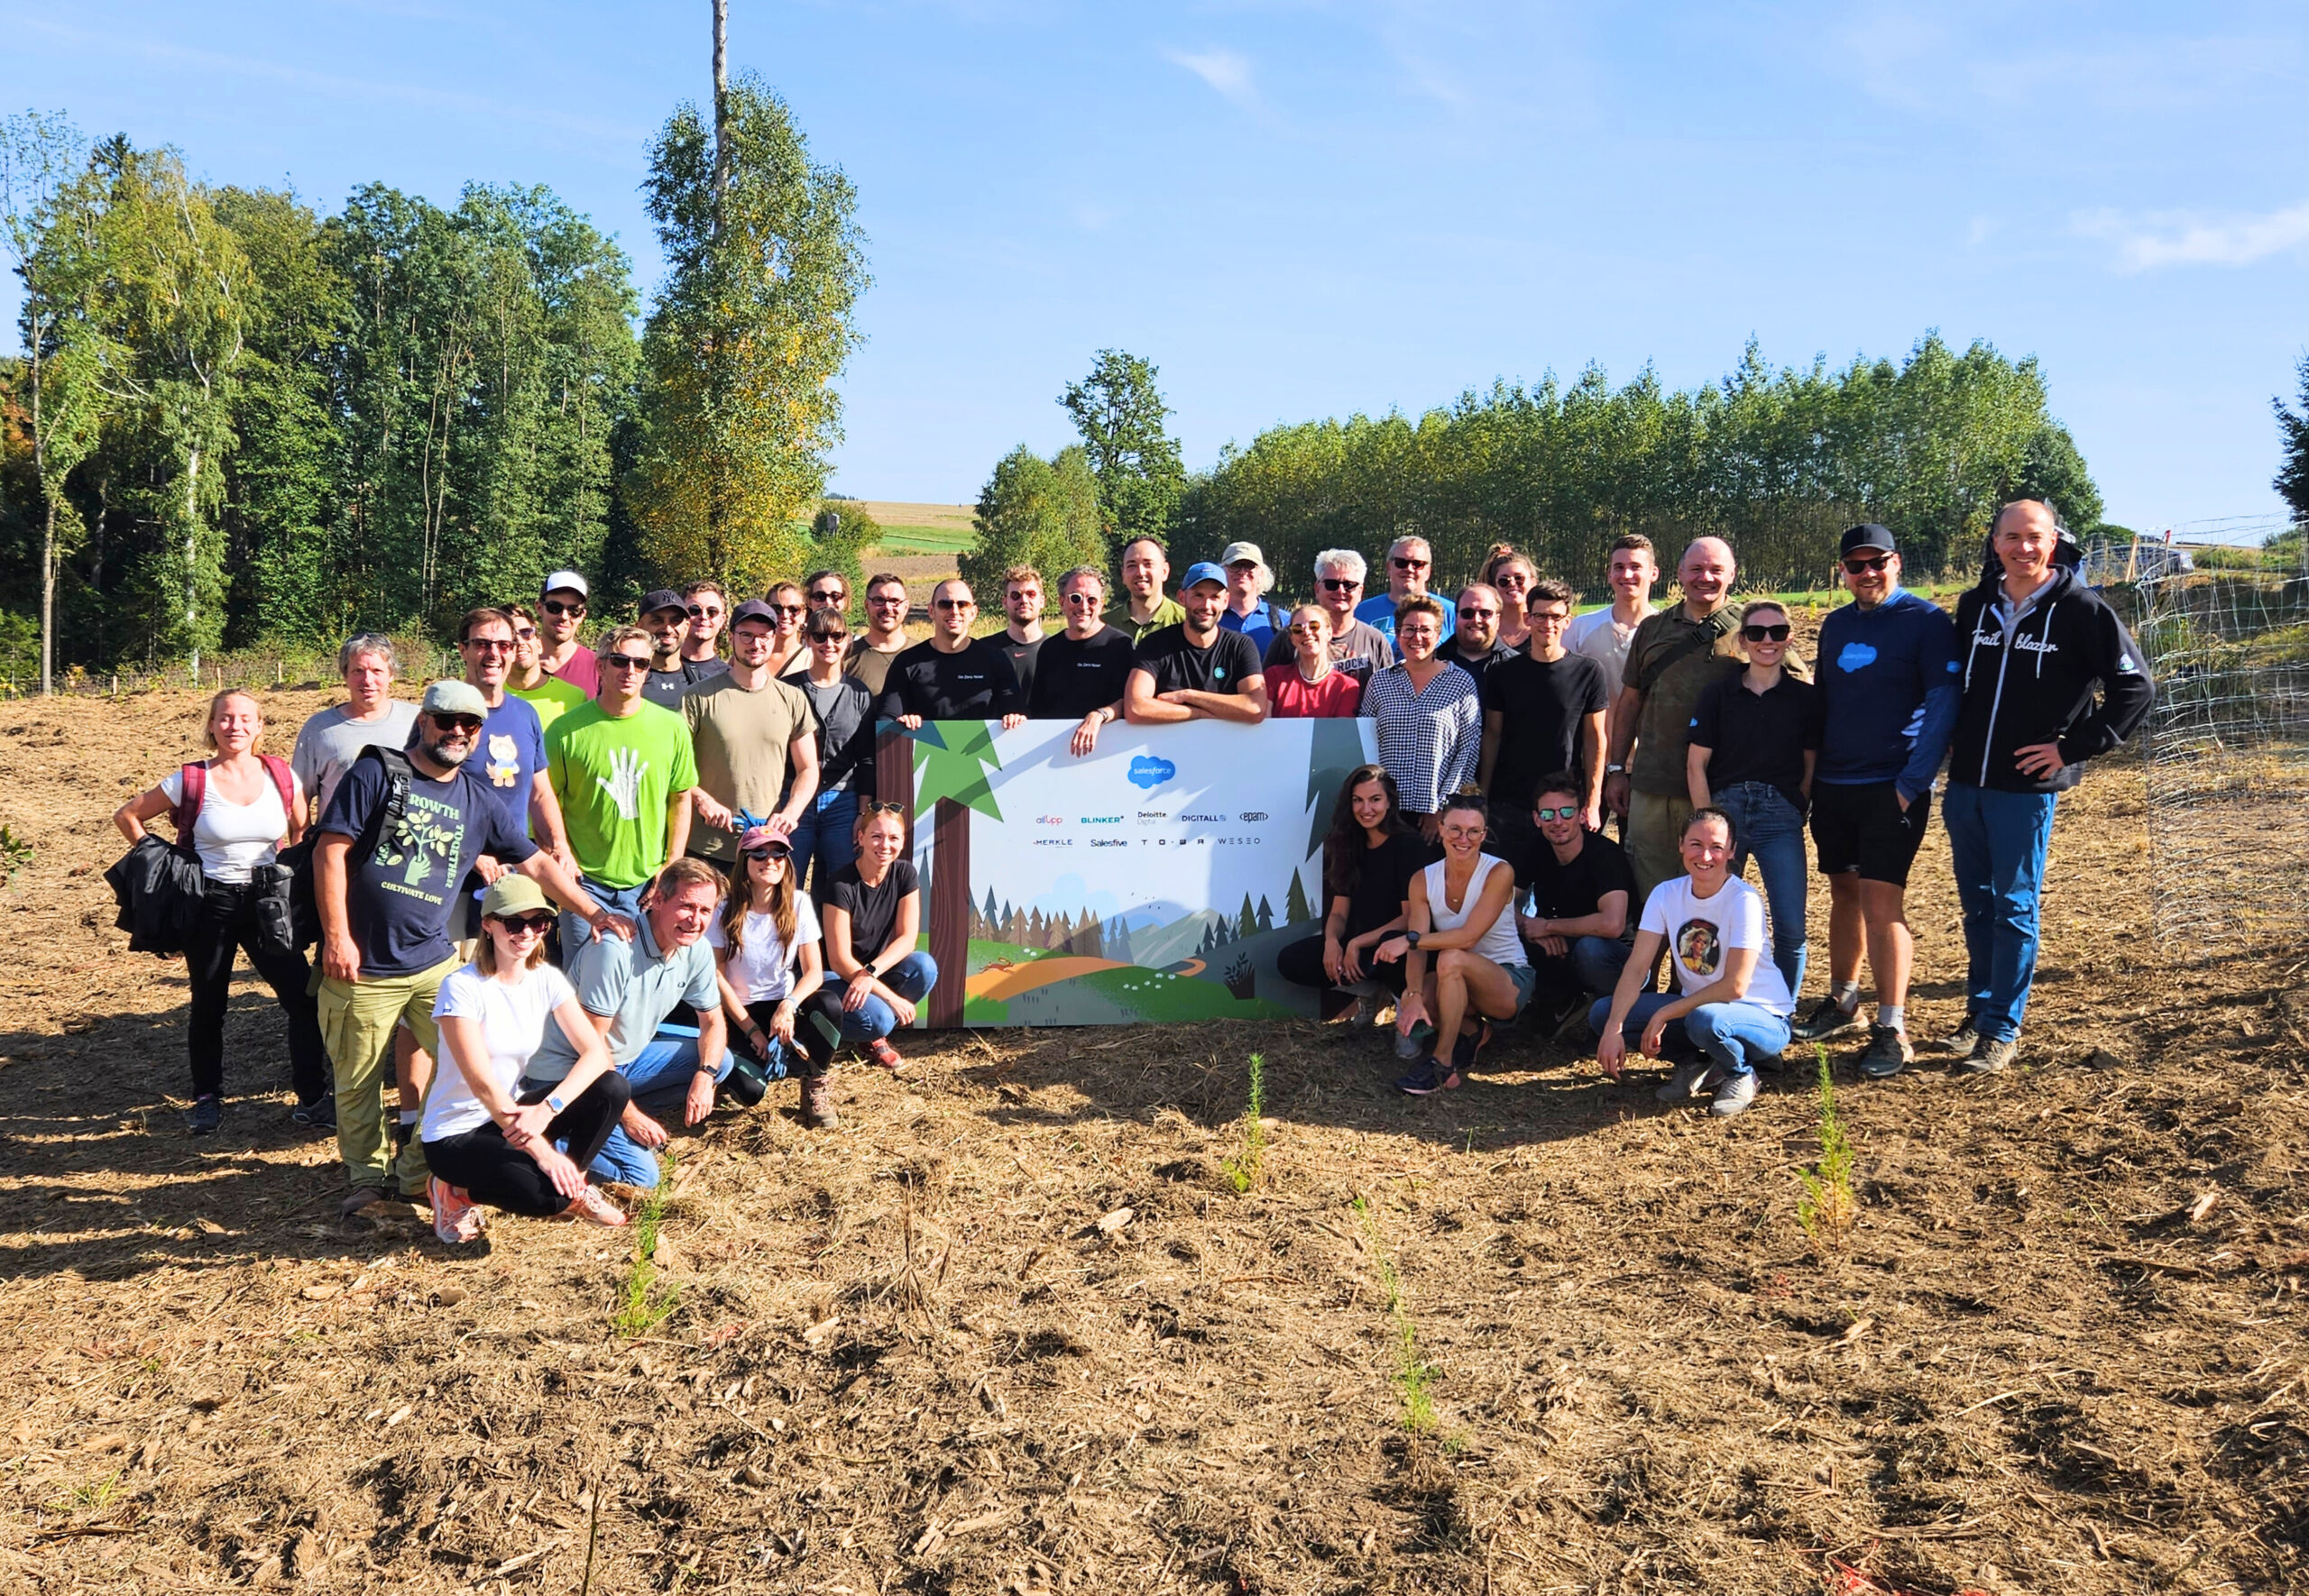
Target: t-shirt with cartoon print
(1698,929)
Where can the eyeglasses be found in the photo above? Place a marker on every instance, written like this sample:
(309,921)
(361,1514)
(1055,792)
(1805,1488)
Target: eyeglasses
(1340,584)
(1549,617)
(467,724)
(776,850)
(1859,568)
(953,603)
(882,600)
(828,595)
(1402,563)
(490,645)
(1765,634)
(703,612)
(1567,812)
(525,925)
(631,662)
(556,607)
(1466,614)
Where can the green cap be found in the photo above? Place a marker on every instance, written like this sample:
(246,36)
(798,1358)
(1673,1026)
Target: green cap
(514,893)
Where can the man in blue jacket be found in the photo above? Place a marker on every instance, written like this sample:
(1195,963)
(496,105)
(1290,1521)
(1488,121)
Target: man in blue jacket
(1887,675)
(2047,678)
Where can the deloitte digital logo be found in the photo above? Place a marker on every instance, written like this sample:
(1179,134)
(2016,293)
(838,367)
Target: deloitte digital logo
(1148,772)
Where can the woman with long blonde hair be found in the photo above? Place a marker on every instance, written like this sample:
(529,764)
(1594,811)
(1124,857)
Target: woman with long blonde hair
(766,950)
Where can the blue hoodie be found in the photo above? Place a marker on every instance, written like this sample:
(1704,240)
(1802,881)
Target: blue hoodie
(1888,679)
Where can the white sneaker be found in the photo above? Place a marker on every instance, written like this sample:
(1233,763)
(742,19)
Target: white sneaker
(1734,1094)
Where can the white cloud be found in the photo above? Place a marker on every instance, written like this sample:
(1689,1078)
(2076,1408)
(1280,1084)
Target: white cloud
(2191,238)
(1223,69)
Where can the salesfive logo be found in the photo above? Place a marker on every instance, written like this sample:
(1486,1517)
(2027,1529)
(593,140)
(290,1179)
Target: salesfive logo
(1109,842)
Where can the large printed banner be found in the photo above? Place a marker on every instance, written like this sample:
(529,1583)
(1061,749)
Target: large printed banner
(1154,880)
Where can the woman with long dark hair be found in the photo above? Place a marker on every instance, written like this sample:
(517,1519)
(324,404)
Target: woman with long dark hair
(773,980)
(1368,860)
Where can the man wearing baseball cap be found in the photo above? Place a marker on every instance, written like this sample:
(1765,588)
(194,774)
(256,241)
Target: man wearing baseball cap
(561,616)
(665,616)
(1247,611)
(1197,670)
(384,912)
(746,728)
(1887,675)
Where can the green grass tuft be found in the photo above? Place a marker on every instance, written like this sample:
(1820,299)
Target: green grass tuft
(646,1301)
(1414,1376)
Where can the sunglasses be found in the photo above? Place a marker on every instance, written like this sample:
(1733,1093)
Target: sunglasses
(776,850)
(883,600)
(525,925)
(953,604)
(525,633)
(490,645)
(880,806)
(1309,627)
(631,662)
(702,612)
(1567,812)
(821,640)
(1401,563)
(1088,600)
(1510,579)
(828,596)
(789,609)
(1861,567)
(464,724)
(1341,584)
(1765,634)
(1478,614)
(556,607)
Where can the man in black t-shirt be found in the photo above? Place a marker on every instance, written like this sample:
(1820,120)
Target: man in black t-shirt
(1081,673)
(1543,712)
(1021,641)
(1582,903)
(952,677)
(1197,670)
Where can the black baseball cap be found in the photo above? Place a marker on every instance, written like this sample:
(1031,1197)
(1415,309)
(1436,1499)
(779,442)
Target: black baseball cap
(754,609)
(1867,535)
(665,597)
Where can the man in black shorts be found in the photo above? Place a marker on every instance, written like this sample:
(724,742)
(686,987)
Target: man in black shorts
(1197,670)
(1887,676)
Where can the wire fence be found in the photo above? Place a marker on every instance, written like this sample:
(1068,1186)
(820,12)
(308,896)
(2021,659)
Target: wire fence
(422,659)
(2226,631)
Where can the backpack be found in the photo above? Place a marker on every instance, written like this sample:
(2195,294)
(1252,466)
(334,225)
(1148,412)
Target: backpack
(304,900)
(195,777)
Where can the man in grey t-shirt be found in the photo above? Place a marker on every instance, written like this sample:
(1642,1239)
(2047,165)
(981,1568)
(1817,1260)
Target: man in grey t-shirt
(370,717)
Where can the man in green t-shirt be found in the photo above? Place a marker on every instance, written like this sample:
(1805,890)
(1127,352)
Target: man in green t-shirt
(1145,609)
(529,680)
(623,769)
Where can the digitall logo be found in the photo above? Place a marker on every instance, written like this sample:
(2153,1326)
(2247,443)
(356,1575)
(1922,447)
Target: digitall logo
(1206,820)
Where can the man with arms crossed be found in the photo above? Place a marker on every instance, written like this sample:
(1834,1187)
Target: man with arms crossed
(746,728)
(1409,563)
(330,741)
(884,638)
(1358,648)
(385,915)
(1145,567)
(1082,673)
(1887,675)
(1197,669)
(561,615)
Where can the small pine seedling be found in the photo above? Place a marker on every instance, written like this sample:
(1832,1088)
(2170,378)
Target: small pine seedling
(1829,1207)
(1243,1170)
(648,1302)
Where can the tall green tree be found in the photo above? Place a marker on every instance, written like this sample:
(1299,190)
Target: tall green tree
(1120,414)
(1037,512)
(737,410)
(2292,479)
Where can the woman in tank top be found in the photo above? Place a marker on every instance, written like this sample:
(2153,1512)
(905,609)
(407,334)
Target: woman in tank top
(1463,962)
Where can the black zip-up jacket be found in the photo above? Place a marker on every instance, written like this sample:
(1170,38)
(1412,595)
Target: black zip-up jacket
(160,890)
(2036,680)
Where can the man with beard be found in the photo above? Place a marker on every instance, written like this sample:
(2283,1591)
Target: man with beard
(391,860)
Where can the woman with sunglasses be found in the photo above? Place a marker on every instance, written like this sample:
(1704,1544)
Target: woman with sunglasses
(872,915)
(766,947)
(1754,739)
(844,710)
(787,599)
(485,1148)
(1463,965)
(1369,858)
(1311,688)
(1509,571)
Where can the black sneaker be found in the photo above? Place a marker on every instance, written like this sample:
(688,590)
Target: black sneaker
(1888,1052)
(319,1115)
(207,1113)
(1828,1018)
(1960,1043)
(1464,1050)
(1991,1058)
(1432,1077)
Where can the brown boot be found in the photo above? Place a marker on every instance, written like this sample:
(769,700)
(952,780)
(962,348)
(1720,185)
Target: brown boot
(817,1103)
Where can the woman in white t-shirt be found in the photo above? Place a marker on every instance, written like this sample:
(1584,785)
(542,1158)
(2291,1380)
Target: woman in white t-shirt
(772,974)
(250,806)
(483,1145)
(1731,1006)
(1460,915)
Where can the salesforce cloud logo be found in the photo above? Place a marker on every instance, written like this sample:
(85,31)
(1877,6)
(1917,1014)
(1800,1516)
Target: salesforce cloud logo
(1856,657)
(1147,771)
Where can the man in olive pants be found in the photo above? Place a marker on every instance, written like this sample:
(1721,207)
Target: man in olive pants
(385,914)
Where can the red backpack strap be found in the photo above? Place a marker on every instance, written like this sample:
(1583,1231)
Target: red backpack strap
(195,777)
(285,781)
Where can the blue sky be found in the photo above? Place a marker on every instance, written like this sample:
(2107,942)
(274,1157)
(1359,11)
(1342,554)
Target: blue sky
(1299,209)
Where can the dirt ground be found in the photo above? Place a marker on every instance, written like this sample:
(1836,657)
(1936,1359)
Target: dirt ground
(1013,1329)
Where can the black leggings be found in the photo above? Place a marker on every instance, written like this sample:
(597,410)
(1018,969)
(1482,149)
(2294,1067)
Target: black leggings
(226,925)
(492,1170)
(811,1051)
(1302,964)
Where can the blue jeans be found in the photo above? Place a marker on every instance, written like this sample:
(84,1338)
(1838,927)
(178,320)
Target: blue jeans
(1736,1035)
(911,978)
(575,932)
(1592,966)
(828,831)
(1997,843)
(659,1075)
(1766,824)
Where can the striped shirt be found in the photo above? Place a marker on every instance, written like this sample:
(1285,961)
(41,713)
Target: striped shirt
(1430,741)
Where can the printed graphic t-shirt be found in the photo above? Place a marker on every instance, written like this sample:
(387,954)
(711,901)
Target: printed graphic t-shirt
(511,753)
(1698,929)
(398,900)
(614,778)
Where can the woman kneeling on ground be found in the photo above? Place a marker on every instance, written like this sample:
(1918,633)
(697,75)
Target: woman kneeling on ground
(768,933)
(1460,915)
(1731,1006)
(1369,859)
(249,804)
(873,913)
(483,1148)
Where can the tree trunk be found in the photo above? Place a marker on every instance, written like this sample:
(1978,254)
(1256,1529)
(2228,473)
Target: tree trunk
(192,557)
(48,536)
(949,909)
(721,108)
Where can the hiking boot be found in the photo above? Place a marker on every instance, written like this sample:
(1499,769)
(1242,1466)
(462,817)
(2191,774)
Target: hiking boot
(881,1055)
(360,1197)
(456,1219)
(1962,1043)
(1432,1075)
(594,1205)
(1828,1018)
(320,1114)
(1888,1052)
(1734,1094)
(1990,1058)
(206,1114)
(817,1103)
(1689,1081)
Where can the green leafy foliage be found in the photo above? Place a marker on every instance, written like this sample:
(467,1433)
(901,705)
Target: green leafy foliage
(2292,479)
(1037,512)
(1243,1168)
(645,1302)
(1120,414)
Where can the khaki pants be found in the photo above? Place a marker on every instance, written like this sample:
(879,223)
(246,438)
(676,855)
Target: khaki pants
(1654,837)
(357,1022)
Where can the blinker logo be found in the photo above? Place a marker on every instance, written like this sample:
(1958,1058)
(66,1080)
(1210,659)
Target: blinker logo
(1148,772)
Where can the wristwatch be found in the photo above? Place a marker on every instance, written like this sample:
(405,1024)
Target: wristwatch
(553,1101)
(1411,939)
(1615,770)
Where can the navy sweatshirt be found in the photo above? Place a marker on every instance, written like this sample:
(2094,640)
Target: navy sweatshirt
(1888,686)
(2033,678)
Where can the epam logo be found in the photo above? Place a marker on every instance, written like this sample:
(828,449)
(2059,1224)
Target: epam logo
(1252,814)
(1147,771)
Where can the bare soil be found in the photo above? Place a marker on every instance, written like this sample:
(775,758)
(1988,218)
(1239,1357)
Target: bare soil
(1012,1327)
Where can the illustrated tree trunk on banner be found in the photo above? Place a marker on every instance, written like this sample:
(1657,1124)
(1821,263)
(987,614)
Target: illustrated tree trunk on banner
(952,779)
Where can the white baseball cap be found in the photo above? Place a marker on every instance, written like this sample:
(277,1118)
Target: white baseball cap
(565,579)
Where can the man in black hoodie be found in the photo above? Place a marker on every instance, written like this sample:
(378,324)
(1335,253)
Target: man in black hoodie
(2050,679)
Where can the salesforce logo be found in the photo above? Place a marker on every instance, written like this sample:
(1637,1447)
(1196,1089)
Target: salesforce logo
(1856,657)
(1252,814)
(1147,771)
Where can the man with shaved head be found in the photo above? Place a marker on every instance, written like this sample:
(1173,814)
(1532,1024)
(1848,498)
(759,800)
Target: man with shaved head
(1676,655)
(953,675)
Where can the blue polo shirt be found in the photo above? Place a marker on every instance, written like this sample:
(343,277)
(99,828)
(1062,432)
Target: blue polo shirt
(1888,685)
(1262,625)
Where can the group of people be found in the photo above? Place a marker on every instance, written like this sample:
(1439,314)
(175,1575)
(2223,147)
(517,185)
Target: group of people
(560,900)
